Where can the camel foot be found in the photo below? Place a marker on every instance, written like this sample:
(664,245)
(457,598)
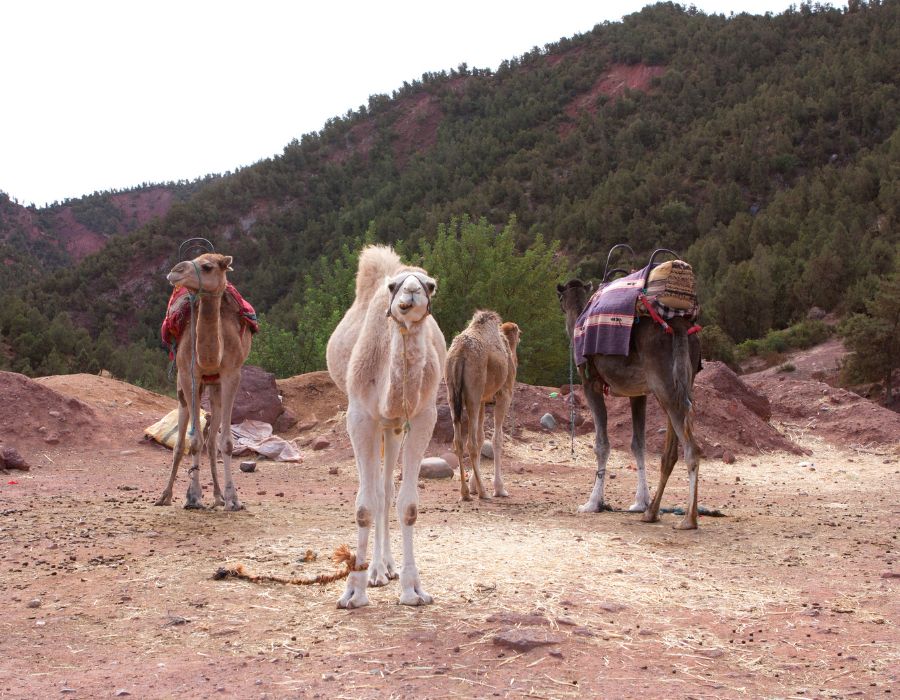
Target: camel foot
(355,595)
(591,507)
(650,516)
(194,505)
(382,575)
(484,496)
(415,596)
(164,500)
(218,500)
(686,524)
(465,497)
(501,493)
(637,507)
(235,505)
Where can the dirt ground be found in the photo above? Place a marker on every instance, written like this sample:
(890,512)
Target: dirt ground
(793,594)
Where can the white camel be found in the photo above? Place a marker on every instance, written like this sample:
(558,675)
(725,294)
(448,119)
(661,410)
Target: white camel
(387,354)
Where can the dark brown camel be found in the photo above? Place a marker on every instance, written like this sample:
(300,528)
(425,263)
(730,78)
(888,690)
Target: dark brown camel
(657,363)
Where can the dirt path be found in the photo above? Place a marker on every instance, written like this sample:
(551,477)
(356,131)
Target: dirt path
(106,595)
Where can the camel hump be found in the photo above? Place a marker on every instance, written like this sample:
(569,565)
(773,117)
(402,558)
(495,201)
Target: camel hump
(482,318)
(375,263)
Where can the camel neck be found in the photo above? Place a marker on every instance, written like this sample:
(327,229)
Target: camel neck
(209,332)
(407,363)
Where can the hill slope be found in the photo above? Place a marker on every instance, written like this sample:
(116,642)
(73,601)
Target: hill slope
(761,147)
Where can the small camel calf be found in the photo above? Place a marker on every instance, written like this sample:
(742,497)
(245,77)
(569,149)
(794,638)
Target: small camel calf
(481,367)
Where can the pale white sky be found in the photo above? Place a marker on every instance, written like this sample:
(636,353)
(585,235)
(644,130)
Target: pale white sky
(107,94)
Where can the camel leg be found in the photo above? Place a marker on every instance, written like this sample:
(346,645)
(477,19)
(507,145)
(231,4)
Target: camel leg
(601,447)
(365,436)
(166,498)
(501,406)
(411,591)
(226,445)
(382,567)
(684,430)
(476,440)
(669,457)
(638,420)
(194,497)
(212,445)
(458,449)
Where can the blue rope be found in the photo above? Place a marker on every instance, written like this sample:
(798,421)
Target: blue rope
(571,402)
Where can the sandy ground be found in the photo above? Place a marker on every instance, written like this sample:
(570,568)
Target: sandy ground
(793,595)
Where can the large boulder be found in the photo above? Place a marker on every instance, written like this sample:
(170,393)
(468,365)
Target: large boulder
(257,397)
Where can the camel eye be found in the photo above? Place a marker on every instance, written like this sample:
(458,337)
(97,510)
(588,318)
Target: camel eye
(207,267)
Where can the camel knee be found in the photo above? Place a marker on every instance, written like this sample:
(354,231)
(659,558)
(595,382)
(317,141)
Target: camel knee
(181,399)
(363,517)
(410,514)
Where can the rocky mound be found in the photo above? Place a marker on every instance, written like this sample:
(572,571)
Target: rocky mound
(312,398)
(33,415)
(838,416)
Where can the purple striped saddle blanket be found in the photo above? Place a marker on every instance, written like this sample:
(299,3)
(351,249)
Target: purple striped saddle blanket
(604,327)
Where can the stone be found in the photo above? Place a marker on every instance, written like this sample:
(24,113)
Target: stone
(256,399)
(728,457)
(307,425)
(487,450)
(526,639)
(11,459)
(34,603)
(435,468)
(443,428)
(333,471)
(450,459)
(320,443)
(548,421)
(248,467)
(284,422)
(511,618)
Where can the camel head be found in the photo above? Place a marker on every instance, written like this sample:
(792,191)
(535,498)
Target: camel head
(573,297)
(205,273)
(512,333)
(410,296)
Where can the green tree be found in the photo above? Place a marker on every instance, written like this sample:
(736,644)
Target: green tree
(874,337)
(478,267)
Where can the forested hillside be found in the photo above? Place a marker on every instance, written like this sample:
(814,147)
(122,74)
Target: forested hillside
(764,148)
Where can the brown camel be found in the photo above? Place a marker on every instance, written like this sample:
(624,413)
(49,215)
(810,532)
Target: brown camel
(481,368)
(209,356)
(658,363)
(386,354)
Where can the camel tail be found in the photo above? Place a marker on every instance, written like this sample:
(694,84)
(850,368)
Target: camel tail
(375,263)
(682,373)
(455,387)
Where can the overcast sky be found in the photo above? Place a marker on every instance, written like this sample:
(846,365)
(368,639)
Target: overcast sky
(101,95)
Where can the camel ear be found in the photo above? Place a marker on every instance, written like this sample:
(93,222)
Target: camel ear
(590,287)
(560,288)
(225,262)
(392,286)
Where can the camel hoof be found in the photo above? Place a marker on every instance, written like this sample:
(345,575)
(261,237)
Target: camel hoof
(465,497)
(650,517)
(590,507)
(191,505)
(415,597)
(163,501)
(233,507)
(637,507)
(686,524)
(502,493)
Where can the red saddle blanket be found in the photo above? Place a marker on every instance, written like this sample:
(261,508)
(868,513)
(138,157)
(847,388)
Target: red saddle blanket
(178,312)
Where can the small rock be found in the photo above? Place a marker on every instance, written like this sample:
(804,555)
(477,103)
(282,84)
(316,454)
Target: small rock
(52,439)
(728,457)
(11,459)
(333,471)
(487,450)
(122,693)
(450,459)
(280,494)
(611,607)
(806,464)
(886,574)
(308,425)
(248,467)
(284,422)
(35,603)
(435,468)
(320,443)
(525,639)
(55,414)
(548,421)
(125,453)
(328,676)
